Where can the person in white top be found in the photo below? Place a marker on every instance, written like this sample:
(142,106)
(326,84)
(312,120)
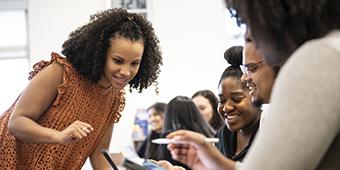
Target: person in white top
(301,129)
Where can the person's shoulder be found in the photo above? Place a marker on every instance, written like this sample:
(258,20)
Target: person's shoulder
(311,52)
(332,40)
(63,66)
(60,59)
(56,68)
(329,42)
(55,72)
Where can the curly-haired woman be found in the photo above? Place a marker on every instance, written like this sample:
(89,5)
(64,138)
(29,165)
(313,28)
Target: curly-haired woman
(67,112)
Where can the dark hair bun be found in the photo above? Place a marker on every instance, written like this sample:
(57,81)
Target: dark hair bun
(233,55)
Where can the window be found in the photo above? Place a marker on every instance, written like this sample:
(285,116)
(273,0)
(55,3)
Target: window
(235,32)
(13,51)
(136,6)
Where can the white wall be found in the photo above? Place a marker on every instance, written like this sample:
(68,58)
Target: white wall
(193,36)
(50,23)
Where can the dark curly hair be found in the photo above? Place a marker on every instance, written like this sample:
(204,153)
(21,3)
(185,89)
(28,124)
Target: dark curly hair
(286,24)
(87,46)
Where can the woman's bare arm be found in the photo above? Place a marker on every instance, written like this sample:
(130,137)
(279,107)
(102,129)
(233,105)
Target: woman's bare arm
(35,99)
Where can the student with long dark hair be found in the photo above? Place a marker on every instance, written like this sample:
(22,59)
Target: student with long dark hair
(182,113)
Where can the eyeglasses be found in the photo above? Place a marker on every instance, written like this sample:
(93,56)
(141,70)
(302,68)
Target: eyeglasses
(250,68)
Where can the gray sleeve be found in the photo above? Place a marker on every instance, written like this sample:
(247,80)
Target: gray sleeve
(238,165)
(304,116)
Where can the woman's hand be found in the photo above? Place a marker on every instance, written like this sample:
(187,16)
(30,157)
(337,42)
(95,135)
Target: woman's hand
(186,148)
(168,166)
(74,132)
(191,149)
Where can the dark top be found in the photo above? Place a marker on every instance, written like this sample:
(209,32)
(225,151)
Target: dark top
(149,150)
(228,142)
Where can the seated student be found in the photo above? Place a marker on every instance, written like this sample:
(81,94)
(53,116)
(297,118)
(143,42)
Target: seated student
(317,117)
(182,113)
(258,75)
(302,122)
(260,79)
(207,102)
(240,115)
(149,150)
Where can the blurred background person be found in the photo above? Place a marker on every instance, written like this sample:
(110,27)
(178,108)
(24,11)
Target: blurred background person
(149,150)
(207,102)
(182,113)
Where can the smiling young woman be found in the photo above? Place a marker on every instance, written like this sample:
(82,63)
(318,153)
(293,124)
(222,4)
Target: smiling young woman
(67,112)
(235,107)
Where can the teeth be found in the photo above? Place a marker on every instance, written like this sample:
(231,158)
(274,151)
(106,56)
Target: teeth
(232,117)
(120,79)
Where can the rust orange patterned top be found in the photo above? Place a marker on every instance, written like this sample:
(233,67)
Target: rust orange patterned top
(77,99)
